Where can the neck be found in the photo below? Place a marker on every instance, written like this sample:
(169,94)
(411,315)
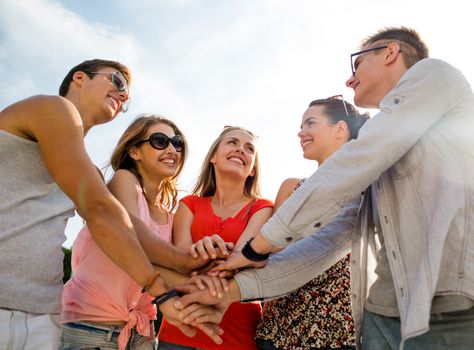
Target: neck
(228,191)
(87,123)
(151,188)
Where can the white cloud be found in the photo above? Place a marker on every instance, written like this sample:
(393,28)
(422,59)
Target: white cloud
(205,64)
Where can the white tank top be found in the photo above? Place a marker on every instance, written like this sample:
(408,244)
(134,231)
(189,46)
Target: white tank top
(33,216)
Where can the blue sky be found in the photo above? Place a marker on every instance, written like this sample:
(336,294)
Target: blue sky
(206,64)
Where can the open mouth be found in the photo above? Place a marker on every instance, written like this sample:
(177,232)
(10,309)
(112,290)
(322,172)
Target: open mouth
(236,160)
(306,143)
(168,161)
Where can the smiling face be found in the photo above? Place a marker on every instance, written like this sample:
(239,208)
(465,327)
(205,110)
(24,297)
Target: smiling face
(100,96)
(235,154)
(319,136)
(154,163)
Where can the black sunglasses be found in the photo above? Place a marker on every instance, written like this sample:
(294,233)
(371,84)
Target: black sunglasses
(161,141)
(354,64)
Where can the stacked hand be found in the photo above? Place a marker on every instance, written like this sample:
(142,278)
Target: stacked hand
(208,316)
(207,293)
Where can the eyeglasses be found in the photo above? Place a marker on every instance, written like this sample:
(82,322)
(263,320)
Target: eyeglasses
(160,141)
(341,98)
(120,84)
(354,64)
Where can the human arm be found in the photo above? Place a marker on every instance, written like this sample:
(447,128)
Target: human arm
(124,187)
(301,261)
(254,224)
(209,247)
(54,123)
(287,187)
(420,100)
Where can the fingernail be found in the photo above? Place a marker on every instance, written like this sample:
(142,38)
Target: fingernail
(178,305)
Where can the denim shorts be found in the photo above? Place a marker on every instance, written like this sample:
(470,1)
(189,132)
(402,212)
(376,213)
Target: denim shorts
(83,335)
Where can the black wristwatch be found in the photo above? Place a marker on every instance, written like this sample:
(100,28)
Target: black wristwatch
(160,299)
(251,254)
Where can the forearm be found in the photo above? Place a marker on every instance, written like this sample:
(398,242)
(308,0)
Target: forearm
(301,261)
(171,277)
(162,253)
(291,268)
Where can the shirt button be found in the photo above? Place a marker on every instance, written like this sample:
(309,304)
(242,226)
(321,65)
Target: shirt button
(318,224)
(289,239)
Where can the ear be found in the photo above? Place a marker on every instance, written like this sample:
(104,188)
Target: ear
(133,153)
(252,173)
(213,159)
(342,129)
(392,53)
(78,78)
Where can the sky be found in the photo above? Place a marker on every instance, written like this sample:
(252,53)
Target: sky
(206,64)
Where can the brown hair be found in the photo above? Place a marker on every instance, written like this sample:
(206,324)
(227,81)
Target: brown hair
(92,66)
(412,47)
(206,184)
(135,133)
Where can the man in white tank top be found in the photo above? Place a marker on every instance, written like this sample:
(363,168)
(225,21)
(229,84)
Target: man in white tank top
(44,173)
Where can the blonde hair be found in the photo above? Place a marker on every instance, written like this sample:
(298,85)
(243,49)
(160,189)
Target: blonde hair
(135,133)
(206,184)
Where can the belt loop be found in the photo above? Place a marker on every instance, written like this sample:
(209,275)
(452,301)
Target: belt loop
(110,333)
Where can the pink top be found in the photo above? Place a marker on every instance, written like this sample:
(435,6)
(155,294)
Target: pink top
(100,291)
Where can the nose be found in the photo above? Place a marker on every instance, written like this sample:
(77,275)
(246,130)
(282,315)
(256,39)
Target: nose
(351,81)
(123,95)
(300,133)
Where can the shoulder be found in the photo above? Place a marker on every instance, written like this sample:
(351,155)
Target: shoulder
(263,203)
(435,68)
(123,178)
(29,116)
(289,185)
(286,189)
(191,201)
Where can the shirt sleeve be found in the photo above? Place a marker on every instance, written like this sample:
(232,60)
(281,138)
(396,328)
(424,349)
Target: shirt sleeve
(191,202)
(301,261)
(260,204)
(421,98)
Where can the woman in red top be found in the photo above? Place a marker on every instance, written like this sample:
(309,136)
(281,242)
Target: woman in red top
(226,201)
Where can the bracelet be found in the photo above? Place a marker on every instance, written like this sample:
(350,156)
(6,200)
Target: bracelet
(251,254)
(151,281)
(160,299)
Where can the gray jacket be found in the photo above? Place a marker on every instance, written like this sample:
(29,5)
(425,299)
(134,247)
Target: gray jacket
(418,155)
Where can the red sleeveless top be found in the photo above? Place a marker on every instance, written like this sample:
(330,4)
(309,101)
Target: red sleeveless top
(241,319)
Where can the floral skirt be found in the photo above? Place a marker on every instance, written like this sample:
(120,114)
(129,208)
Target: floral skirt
(318,315)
